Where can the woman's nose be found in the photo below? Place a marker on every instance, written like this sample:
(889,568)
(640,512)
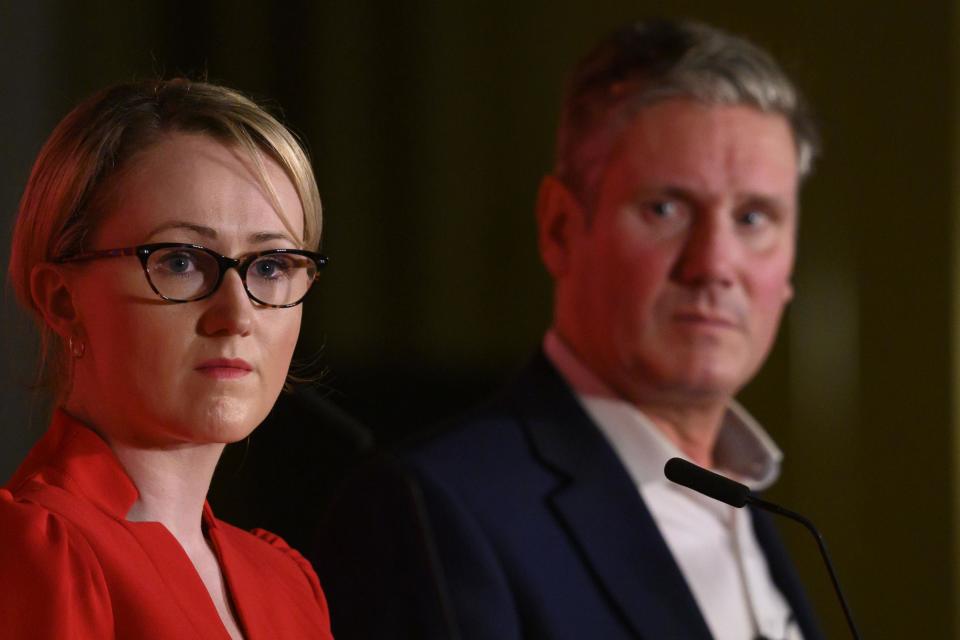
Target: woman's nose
(229,310)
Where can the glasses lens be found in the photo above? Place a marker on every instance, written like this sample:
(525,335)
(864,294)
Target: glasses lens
(280,278)
(182,273)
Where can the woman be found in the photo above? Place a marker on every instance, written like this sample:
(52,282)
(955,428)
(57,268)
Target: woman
(164,242)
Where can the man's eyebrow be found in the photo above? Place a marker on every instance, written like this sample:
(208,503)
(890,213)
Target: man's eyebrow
(678,192)
(767,201)
(669,191)
(691,195)
(206,232)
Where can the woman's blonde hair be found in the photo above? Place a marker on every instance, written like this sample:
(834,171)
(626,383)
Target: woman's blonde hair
(78,167)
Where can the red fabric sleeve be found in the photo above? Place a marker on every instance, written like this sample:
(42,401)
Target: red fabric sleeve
(51,584)
(304,565)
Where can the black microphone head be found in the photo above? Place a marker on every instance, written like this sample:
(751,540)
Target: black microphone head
(708,483)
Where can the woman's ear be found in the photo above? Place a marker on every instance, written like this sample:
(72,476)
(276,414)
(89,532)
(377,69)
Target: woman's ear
(560,219)
(53,296)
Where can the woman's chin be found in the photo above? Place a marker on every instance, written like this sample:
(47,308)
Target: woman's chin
(227,419)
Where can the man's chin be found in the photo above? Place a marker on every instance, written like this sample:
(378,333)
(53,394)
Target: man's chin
(706,383)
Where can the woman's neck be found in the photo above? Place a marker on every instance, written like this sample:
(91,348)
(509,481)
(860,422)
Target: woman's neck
(173,485)
(172,479)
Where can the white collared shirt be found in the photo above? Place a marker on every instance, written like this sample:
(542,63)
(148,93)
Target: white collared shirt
(713,543)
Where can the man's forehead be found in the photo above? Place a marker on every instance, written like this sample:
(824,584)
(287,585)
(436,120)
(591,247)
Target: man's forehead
(686,144)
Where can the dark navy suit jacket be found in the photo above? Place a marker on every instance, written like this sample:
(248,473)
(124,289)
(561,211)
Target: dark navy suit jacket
(519,522)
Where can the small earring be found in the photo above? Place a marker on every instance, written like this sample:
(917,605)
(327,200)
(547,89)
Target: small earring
(77,347)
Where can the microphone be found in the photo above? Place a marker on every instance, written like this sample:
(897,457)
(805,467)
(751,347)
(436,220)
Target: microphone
(713,485)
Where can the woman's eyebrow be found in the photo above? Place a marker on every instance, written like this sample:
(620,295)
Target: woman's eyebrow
(259,237)
(268,236)
(206,232)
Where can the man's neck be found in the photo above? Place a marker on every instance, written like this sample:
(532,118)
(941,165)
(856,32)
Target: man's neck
(691,424)
(693,430)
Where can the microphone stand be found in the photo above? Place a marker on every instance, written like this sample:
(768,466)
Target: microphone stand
(737,495)
(796,517)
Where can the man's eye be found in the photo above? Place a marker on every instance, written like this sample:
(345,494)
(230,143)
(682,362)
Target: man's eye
(754,218)
(666,214)
(664,209)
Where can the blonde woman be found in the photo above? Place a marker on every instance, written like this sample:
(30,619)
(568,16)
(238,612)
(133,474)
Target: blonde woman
(165,239)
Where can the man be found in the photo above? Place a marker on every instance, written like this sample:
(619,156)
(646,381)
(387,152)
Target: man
(668,227)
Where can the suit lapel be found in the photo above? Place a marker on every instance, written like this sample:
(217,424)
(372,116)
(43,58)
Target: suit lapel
(602,512)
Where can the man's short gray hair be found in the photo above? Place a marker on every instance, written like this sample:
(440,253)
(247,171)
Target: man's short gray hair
(652,61)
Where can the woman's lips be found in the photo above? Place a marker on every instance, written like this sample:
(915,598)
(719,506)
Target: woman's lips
(224,368)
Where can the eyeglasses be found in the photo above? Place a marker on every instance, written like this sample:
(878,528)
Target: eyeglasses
(180,272)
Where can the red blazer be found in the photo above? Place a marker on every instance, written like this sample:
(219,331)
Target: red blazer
(72,566)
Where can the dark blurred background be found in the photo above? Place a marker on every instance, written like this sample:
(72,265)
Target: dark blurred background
(430,124)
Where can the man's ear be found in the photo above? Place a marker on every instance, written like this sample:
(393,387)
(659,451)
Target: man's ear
(53,297)
(560,218)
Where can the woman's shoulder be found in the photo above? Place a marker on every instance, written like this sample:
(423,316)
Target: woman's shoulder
(261,547)
(262,562)
(30,523)
(48,568)
(40,539)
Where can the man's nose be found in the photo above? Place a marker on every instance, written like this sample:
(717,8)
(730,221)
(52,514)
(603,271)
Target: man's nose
(229,310)
(709,254)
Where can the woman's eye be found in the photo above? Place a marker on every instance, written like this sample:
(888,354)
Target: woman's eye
(178,262)
(270,268)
